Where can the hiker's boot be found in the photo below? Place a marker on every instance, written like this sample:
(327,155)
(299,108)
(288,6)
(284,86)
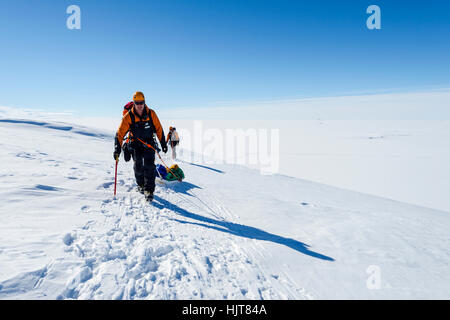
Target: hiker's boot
(148,195)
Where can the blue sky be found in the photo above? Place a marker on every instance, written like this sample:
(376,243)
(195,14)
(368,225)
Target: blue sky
(201,53)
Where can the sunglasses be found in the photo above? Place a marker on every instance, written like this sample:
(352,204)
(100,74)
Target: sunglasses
(139,103)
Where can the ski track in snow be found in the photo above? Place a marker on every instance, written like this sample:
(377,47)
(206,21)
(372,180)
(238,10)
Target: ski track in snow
(139,251)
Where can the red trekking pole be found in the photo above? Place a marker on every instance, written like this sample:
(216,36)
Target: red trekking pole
(115,177)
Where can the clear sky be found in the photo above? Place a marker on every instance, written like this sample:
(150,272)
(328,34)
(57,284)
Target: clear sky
(195,53)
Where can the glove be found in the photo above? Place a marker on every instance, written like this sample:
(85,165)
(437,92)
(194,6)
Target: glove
(117,149)
(164,145)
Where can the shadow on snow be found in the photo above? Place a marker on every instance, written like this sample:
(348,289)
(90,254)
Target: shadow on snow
(204,167)
(58,127)
(238,229)
(176,186)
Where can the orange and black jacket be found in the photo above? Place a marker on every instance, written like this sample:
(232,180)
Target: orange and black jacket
(142,127)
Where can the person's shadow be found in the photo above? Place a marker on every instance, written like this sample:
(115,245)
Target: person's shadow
(237,229)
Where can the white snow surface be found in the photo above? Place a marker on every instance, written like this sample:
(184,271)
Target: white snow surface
(226,232)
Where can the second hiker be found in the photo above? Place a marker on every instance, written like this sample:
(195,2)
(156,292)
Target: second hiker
(173,139)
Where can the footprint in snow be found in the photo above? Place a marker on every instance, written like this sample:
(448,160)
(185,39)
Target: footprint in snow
(46,188)
(68,239)
(25,155)
(105,185)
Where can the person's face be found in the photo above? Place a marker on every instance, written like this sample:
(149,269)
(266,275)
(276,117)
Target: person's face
(139,105)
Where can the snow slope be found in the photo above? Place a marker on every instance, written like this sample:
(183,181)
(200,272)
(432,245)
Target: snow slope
(227,232)
(403,160)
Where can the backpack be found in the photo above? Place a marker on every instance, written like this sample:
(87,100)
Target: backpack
(174,136)
(127,107)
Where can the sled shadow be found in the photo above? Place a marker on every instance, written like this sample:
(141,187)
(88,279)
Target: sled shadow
(182,187)
(204,167)
(238,229)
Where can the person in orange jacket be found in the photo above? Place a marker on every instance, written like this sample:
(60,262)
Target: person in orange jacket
(142,122)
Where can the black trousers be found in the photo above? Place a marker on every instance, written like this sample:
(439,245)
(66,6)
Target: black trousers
(144,168)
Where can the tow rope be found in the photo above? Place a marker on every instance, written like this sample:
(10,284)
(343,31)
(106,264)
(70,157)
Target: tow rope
(150,146)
